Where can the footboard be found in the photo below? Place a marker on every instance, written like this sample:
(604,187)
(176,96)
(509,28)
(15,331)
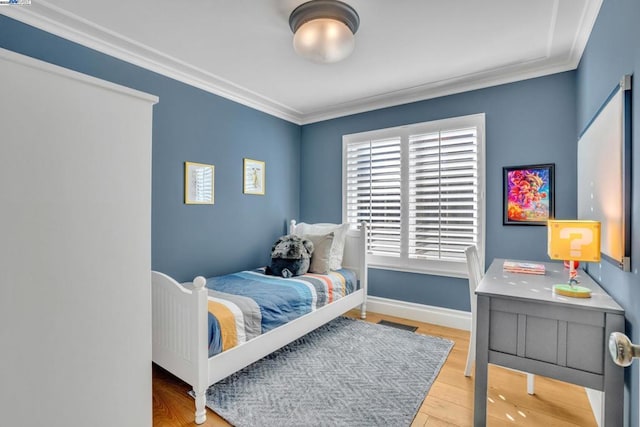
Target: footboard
(180,331)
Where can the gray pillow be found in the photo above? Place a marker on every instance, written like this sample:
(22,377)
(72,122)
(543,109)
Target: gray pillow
(337,248)
(321,252)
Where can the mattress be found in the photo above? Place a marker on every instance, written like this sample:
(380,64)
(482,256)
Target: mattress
(246,304)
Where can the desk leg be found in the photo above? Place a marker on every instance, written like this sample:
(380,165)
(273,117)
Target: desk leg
(613,377)
(482,359)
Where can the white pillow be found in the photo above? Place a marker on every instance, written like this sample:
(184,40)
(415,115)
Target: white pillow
(340,236)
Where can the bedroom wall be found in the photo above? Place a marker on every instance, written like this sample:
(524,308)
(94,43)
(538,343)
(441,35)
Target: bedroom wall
(612,51)
(527,122)
(190,124)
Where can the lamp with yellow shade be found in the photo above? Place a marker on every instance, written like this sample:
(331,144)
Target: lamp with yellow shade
(573,240)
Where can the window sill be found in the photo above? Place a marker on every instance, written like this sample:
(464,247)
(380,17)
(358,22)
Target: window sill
(445,272)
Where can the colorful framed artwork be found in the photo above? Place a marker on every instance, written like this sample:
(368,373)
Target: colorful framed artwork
(528,194)
(198,183)
(253,177)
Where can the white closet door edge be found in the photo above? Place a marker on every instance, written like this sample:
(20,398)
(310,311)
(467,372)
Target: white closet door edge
(7,55)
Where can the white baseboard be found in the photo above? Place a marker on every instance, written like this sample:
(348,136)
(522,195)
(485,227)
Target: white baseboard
(420,312)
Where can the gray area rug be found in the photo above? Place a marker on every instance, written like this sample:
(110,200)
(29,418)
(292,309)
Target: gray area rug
(345,373)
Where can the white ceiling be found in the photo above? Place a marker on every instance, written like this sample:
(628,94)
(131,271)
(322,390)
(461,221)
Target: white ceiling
(406,50)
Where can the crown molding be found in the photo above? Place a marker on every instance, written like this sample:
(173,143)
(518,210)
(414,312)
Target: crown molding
(452,86)
(48,17)
(587,21)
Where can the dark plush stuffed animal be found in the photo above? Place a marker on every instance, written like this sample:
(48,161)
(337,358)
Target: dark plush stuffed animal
(290,256)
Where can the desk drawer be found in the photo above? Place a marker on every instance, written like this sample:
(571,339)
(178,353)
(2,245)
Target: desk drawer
(559,335)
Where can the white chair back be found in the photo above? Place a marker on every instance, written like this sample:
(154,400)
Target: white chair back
(474,268)
(476,272)
(475,275)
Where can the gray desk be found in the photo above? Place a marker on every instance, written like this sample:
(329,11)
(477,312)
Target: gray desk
(522,325)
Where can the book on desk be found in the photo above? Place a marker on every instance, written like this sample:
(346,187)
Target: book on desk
(523,267)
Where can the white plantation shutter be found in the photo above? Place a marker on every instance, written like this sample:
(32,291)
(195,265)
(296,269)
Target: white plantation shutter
(373,189)
(419,188)
(443,194)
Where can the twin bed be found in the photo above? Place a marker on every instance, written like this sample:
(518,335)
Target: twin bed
(206,330)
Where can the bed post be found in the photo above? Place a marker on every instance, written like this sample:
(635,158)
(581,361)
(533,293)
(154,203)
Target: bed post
(363,266)
(292,226)
(200,350)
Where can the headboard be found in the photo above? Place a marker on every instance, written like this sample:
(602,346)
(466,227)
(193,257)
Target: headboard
(355,248)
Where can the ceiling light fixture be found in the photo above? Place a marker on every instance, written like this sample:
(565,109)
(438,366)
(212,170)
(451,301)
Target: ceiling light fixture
(324,30)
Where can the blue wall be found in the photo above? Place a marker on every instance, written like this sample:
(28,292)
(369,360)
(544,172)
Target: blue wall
(527,122)
(193,125)
(612,51)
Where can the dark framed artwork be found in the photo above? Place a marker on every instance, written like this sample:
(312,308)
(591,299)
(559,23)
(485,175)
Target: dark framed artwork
(528,194)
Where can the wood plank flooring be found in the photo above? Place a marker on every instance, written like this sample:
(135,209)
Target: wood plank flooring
(449,402)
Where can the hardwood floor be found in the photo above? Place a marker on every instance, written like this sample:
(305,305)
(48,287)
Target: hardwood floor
(449,402)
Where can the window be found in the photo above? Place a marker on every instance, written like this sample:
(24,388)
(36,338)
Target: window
(421,190)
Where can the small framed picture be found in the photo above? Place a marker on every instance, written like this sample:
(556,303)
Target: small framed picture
(528,194)
(198,183)
(253,177)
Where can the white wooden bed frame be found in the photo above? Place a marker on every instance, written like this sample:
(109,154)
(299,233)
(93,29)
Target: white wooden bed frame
(180,322)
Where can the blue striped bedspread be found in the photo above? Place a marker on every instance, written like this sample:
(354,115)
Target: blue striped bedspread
(249,303)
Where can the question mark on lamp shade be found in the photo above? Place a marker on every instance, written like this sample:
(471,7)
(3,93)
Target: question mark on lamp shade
(585,237)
